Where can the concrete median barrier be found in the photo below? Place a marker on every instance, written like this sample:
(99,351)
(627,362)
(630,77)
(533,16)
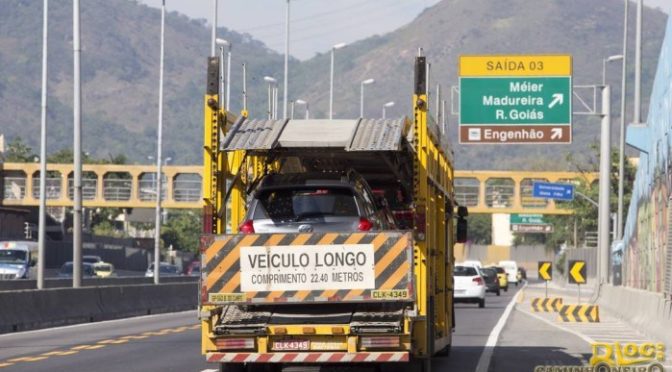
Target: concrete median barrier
(32,309)
(14,285)
(649,312)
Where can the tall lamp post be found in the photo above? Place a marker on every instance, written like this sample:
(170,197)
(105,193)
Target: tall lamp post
(331,79)
(42,219)
(387,105)
(621,147)
(221,43)
(157,228)
(303,102)
(613,58)
(271,82)
(286,82)
(361,95)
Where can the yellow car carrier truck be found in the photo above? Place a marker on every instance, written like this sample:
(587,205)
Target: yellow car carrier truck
(399,315)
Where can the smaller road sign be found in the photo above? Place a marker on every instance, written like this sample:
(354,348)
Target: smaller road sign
(577,272)
(526,219)
(557,191)
(545,270)
(540,229)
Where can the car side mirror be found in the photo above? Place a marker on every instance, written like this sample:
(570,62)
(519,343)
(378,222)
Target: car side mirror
(461,230)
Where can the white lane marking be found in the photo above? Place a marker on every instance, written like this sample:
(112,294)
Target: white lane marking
(95,324)
(484,360)
(578,334)
(210,370)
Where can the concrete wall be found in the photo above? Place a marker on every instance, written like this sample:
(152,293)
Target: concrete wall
(645,257)
(33,309)
(649,312)
(13,285)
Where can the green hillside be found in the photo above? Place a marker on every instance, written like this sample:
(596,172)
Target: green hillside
(120,62)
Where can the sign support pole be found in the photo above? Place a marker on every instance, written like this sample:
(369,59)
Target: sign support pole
(546,295)
(579,299)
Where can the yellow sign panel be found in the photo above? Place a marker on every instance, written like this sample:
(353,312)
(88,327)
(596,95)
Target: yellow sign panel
(528,65)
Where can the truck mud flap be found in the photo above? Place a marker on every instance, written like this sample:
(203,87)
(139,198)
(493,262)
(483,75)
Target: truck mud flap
(307,268)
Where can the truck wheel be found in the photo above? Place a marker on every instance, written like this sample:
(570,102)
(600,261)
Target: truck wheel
(498,292)
(231,367)
(481,303)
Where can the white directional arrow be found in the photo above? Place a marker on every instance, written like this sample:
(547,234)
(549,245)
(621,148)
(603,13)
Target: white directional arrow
(558,98)
(556,133)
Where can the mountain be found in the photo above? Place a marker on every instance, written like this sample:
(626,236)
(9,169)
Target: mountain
(587,29)
(120,42)
(120,61)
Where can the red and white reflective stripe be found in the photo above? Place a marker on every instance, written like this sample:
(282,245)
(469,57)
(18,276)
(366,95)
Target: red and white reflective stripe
(325,357)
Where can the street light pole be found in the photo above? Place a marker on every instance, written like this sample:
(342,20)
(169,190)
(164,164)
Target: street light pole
(331,79)
(604,66)
(77,149)
(224,100)
(303,102)
(271,96)
(284,92)
(361,95)
(42,220)
(604,181)
(637,115)
(621,147)
(157,229)
(213,47)
(389,104)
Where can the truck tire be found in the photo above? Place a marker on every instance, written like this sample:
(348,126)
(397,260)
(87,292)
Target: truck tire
(231,367)
(481,303)
(498,292)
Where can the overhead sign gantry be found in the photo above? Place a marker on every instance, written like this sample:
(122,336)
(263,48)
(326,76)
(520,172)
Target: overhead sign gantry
(515,99)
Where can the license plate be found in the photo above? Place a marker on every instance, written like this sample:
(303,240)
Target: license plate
(286,345)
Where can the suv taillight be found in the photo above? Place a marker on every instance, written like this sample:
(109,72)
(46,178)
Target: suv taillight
(247,227)
(364,224)
(478,280)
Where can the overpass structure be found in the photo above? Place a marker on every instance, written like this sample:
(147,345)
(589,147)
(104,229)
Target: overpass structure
(134,186)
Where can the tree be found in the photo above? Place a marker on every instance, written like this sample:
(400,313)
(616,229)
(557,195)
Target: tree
(480,228)
(182,230)
(19,152)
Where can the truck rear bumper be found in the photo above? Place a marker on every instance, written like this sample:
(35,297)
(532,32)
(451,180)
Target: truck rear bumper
(308,357)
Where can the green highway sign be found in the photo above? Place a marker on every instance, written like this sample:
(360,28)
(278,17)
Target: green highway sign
(526,219)
(515,99)
(518,101)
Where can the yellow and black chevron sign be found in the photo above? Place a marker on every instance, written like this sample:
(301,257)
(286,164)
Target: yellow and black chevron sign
(548,305)
(307,267)
(579,314)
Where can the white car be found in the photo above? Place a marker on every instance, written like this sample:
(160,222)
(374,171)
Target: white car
(469,285)
(511,269)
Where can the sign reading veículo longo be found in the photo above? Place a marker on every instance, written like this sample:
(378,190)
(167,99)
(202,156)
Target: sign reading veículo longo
(515,99)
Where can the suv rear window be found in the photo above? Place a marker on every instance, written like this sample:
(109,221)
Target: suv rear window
(465,271)
(297,204)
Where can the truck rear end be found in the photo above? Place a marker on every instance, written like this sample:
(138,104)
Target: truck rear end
(308,298)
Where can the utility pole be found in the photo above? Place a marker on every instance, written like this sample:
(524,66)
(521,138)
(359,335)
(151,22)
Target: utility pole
(637,115)
(284,92)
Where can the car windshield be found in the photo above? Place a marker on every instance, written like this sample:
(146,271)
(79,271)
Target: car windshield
(297,204)
(90,259)
(12,256)
(464,271)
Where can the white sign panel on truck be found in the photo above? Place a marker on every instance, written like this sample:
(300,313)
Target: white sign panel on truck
(307,267)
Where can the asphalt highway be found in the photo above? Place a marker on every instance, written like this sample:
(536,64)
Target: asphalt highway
(495,338)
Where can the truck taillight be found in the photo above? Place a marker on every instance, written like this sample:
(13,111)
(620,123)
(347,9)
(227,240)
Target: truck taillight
(378,342)
(478,280)
(247,227)
(364,224)
(234,343)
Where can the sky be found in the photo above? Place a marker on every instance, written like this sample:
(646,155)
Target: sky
(316,25)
